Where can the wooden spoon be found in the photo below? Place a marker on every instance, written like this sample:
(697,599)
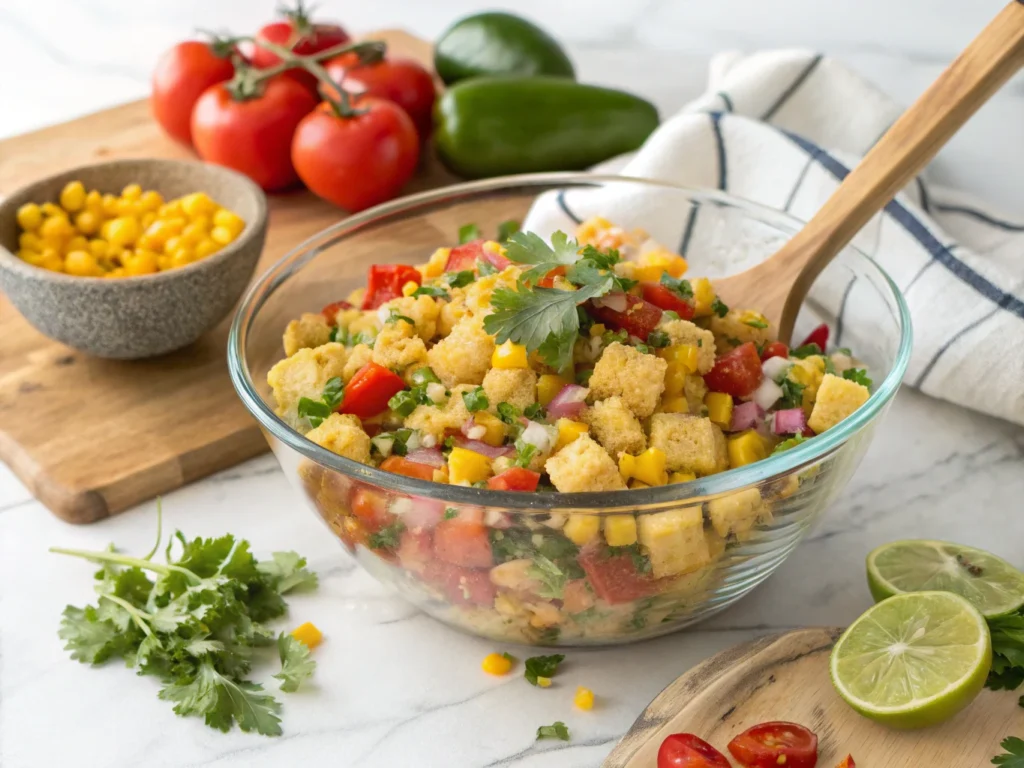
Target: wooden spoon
(778,285)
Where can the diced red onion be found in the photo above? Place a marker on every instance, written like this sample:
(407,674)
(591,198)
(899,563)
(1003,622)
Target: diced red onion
(616,302)
(478,446)
(774,367)
(569,402)
(432,457)
(789,422)
(746,416)
(422,513)
(767,394)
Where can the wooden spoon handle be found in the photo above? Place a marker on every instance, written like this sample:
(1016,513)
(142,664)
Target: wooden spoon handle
(913,140)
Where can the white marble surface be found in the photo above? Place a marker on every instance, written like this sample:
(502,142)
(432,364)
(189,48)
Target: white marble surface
(393,687)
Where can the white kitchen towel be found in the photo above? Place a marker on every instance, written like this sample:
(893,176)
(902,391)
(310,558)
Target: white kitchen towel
(782,128)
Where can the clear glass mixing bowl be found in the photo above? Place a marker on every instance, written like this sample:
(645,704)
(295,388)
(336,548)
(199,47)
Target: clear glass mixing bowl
(591,597)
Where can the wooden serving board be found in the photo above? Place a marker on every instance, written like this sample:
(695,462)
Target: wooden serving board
(93,437)
(786,677)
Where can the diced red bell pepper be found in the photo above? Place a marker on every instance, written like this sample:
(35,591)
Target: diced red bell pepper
(847,762)
(548,281)
(333,309)
(371,507)
(818,336)
(368,392)
(737,373)
(465,256)
(384,282)
(515,479)
(639,318)
(402,466)
(662,296)
(415,550)
(615,578)
(808,432)
(462,586)
(463,542)
(495,259)
(774,349)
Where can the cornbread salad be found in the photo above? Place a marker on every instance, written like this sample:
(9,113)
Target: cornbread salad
(575,365)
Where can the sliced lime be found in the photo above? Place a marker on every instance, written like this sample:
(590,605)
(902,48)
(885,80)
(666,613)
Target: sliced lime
(913,660)
(991,584)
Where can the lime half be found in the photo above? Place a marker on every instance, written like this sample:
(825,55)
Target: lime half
(913,660)
(991,584)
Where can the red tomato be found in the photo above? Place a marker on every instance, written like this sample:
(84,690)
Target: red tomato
(371,507)
(465,256)
(384,282)
(463,542)
(774,349)
(614,577)
(359,161)
(253,136)
(515,479)
(300,34)
(662,296)
(818,336)
(638,319)
(333,309)
(847,762)
(462,586)
(770,745)
(548,281)
(402,81)
(368,392)
(402,466)
(415,550)
(737,373)
(180,77)
(684,750)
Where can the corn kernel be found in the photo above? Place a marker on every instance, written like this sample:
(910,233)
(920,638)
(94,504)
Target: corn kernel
(308,634)
(495,434)
(675,379)
(170,209)
(30,241)
(29,217)
(197,204)
(746,448)
(193,233)
(510,355)
(151,200)
(147,218)
(675,404)
(569,430)
(206,248)
(662,261)
(467,467)
(88,223)
(753,319)
(52,209)
(544,682)
(125,207)
(51,260)
(99,248)
(72,197)
(548,386)
(436,263)
(76,243)
(182,258)
(142,262)
(109,205)
(584,698)
(163,261)
(683,355)
(94,202)
(648,467)
(81,264)
(597,329)
(497,664)
(131,192)
(682,477)
(31,257)
(56,229)
(620,530)
(123,231)
(719,407)
(703,296)
(407,290)
(230,221)
(589,230)
(581,529)
(172,244)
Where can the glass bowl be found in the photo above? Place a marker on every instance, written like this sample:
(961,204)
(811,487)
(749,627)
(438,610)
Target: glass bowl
(526,582)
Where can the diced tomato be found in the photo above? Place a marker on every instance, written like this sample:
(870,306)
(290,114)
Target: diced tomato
(371,507)
(662,296)
(384,282)
(495,259)
(639,318)
(368,392)
(737,373)
(684,750)
(615,578)
(333,309)
(515,479)
(847,762)
(769,745)
(402,466)
(415,550)
(548,281)
(462,586)
(818,336)
(463,542)
(774,349)
(465,256)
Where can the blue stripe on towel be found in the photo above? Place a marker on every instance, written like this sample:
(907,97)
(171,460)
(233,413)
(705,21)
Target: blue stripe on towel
(980,216)
(726,100)
(949,343)
(840,316)
(688,232)
(919,232)
(560,198)
(723,178)
(799,183)
(926,205)
(794,86)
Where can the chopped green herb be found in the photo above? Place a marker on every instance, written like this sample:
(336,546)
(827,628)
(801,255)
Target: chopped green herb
(754,322)
(387,537)
(1013,746)
(508,413)
(1007,652)
(313,410)
(658,339)
(524,454)
(678,286)
(792,442)
(334,391)
(542,666)
(530,248)
(644,349)
(506,229)
(719,307)
(843,351)
(296,664)
(475,400)
(449,443)
(450,513)
(583,376)
(858,375)
(468,233)
(830,367)
(342,336)
(805,351)
(733,341)
(425,375)
(668,314)
(394,316)
(535,411)
(485,268)
(610,337)
(556,730)
(431,290)
(792,394)
(403,403)
(550,576)
(459,279)
(641,562)
(509,657)
(401,439)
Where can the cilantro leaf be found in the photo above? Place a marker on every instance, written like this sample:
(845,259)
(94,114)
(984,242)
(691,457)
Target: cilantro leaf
(475,400)
(805,350)
(314,410)
(556,730)
(785,445)
(678,286)
(557,349)
(1014,757)
(485,268)
(287,571)
(792,394)
(394,316)
(296,664)
(450,513)
(583,376)
(431,290)
(506,229)
(535,411)
(755,322)
(223,701)
(719,307)
(460,279)
(508,413)
(524,454)
(530,248)
(658,339)
(468,233)
(858,375)
(90,639)
(387,537)
(334,391)
(404,402)
(542,666)
(550,576)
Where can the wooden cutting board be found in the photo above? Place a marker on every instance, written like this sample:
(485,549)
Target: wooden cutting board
(93,437)
(786,678)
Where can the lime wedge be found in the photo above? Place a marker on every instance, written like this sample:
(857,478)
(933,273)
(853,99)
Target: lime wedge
(991,584)
(913,660)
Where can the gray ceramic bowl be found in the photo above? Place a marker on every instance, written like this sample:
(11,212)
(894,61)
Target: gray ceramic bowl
(143,316)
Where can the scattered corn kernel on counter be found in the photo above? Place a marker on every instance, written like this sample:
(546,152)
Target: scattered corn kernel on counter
(586,364)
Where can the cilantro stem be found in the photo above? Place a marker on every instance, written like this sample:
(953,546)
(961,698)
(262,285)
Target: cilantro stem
(159,529)
(131,562)
(132,611)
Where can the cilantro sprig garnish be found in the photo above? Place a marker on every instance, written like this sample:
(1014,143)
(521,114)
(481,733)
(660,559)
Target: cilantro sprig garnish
(432,291)
(858,375)
(1014,757)
(468,233)
(530,248)
(542,666)
(194,622)
(476,400)
(557,730)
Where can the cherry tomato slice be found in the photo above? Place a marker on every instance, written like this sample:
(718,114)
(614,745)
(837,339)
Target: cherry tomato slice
(818,336)
(385,281)
(638,319)
(774,349)
(465,256)
(737,373)
(368,392)
(662,296)
(463,542)
(770,745)
(515,479)
(684,750)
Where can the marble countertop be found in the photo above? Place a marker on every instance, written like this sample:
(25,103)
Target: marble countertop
(391,682)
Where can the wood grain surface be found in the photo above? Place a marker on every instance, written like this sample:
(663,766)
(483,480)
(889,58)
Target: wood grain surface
(93,437)
(786,677)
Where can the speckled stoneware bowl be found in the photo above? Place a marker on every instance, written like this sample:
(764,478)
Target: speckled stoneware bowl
(143,316)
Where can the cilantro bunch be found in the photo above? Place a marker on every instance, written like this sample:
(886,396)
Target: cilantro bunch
(195,623)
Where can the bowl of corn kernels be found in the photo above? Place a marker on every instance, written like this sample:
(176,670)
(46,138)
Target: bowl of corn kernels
(131,258)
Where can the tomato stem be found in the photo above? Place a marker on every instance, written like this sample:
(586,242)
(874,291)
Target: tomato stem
(333,93)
